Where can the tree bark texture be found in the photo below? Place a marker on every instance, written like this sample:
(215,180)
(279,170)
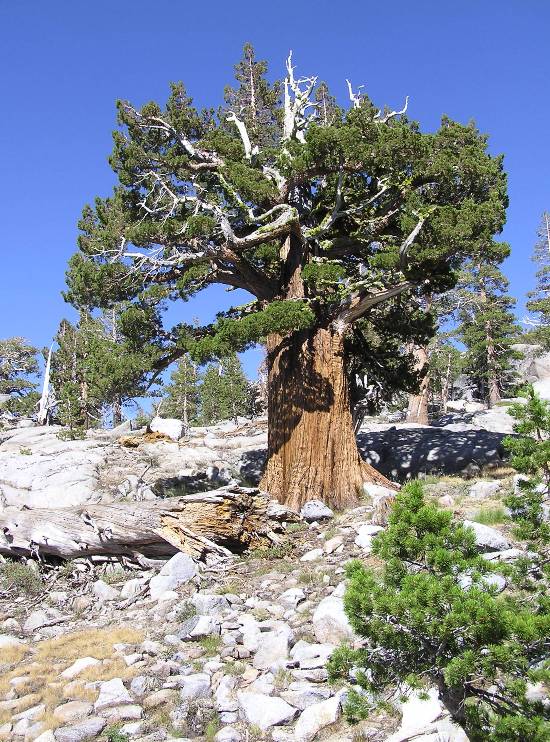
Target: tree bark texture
(231,519)
(312,451)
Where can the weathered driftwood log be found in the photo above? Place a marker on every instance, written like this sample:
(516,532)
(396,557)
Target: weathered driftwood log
(227,520)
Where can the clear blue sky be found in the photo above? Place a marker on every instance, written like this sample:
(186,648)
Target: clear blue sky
(63,63)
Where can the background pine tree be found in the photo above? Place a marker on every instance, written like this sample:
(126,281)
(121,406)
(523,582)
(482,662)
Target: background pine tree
(182,395)
(488,329)
(18,362)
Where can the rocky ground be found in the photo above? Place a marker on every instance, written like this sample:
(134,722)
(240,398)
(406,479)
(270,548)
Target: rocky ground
(235,651)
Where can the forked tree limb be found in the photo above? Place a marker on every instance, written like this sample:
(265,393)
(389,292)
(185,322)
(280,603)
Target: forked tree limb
(223,521)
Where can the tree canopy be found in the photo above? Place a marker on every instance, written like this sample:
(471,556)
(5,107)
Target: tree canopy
(377,208)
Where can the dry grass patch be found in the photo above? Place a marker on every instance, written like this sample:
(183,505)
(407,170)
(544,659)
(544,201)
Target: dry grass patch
(96,643)
(13,655)
(41,677)
(115,668)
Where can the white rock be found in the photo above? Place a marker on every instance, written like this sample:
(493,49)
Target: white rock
(311,656)
(312,555)
(78,666)
(171,427)
(330,623)
(417,713)
(487,539)
(264,711)
(82,731)
(481,490)
(72,711)
(228,734)
(508,555)
(195,686)
(177,571)
(315,718)
(46,737)
(10,642)
(205,626)
(291,597)
(112,693)
(316,510)
(272,653)
(226,700)
(250,630)
(491,580)
(377,490)
(104,592)
(302,694)
(39,619)
(131,588)
(332,544)
(365,535)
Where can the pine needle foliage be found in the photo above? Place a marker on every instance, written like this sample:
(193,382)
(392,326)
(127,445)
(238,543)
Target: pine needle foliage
(419,628)
(530,456)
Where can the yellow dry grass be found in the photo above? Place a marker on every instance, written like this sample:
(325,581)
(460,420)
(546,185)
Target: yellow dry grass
(52,656)
(96,643)
(11,655)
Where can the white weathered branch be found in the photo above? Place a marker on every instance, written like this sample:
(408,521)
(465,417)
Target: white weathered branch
(355,98)
(44,407)
(296,102)
(249,150)
(407,242)
(391,114)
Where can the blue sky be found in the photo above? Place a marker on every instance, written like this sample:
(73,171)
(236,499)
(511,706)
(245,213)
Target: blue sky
(64,63)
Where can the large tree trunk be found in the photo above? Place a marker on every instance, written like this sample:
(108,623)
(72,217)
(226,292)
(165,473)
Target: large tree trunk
(312,451)
(417,411)
(230,519)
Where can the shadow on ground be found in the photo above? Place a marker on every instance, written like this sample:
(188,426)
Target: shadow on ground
(406,452)
(402,453)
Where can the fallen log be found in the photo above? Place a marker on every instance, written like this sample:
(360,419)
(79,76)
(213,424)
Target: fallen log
(224,521)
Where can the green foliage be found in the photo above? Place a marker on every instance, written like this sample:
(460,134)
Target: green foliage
(101,362)
(491,516)
(113,733)
(530,455)
(488,327)
(182,396)
(539,301)
(420,627)
(21,578)
(330,205)
(225,392)
(18,361)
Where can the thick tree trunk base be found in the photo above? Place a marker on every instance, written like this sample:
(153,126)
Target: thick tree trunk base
(231,519)
(312,450)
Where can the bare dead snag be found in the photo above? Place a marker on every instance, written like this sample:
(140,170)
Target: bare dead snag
(227,520)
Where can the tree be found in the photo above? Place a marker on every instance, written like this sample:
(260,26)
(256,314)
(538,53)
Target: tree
(72,377)
(446,363)
(530,449)
(182,395)
(320,223)
(224,392)
(539,299)
(18,361)
(488,329)
(421,626)
(96,367)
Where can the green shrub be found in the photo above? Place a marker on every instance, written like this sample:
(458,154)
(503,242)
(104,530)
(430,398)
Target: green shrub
(530,451)
(21,578)
(420,628)
(491,516)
